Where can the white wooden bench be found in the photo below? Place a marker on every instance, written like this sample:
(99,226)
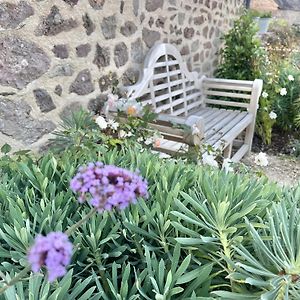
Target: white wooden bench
(224,110)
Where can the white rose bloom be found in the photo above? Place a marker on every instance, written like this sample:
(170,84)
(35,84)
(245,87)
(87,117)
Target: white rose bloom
(283,92)
(261,159)
(101,122)
(227,165)
(273,115)
(208,159)
(265,95)
(291,78)
(112,124)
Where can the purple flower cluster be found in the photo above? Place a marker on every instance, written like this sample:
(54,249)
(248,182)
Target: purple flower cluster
(108,186)
(53,251)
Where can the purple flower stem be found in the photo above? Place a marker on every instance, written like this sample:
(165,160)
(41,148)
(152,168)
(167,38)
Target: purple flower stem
(73,228)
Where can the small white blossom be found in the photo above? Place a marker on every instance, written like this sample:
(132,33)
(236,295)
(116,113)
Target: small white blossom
(123,134)
(149,141)
(208,159)
(283,92)
(265,95)
(131,107)
(140,139)
(195,130)
(112,124)
(164,155)
(261,159)
(291,78)
(272,115)
(227,165)
(101,122)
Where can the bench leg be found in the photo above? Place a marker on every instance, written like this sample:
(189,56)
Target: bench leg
(227,151)
(249,136)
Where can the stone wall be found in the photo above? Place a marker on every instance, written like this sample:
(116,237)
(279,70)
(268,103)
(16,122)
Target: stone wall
(58,55)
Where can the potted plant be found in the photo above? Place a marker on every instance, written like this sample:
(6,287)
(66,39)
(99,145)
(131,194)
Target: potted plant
(263,20)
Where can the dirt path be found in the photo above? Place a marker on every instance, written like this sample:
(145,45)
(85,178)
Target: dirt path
(282,169)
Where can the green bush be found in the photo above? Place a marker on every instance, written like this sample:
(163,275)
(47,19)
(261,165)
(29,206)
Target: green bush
(242,56)
(272,59)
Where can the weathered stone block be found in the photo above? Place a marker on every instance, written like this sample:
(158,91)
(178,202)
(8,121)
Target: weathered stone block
(16,122)
(137,51)
(130,77)
(150,37)
(102,57)
(54,23)
(12,15)
(97,4)
(21,62)
(43,100)
(61,51)
(58,90)
(152,5)
(61,70)
(199,20)
(107,81)
(88,24)
(188,32)
(96,105)
(136,6)
(83,50)
(160,22)
(109,26)
(128,29)
(83,84)
(120,54)
(71,2)
(70,109)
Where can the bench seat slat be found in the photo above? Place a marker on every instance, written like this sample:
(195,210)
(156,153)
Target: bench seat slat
(219,124)
(230,133)
(219,132)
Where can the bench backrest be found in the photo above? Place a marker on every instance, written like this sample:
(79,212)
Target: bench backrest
(166,83)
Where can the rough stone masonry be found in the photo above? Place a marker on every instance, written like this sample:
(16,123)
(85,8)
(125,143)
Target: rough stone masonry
(58,55)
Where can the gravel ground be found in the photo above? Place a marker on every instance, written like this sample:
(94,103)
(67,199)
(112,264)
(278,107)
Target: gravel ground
(282,169)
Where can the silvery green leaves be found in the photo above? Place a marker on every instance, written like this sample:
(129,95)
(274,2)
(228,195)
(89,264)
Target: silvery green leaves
(271,263)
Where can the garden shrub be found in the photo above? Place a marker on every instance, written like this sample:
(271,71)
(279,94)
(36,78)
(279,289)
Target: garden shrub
(247,57)
(178,244)
(242,56)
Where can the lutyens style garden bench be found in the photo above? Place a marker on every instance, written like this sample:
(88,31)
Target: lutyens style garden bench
(219,112)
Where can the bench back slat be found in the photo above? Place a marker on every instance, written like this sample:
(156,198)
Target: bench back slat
(167,84)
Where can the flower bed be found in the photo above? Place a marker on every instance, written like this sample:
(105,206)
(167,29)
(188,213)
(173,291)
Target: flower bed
(191,238)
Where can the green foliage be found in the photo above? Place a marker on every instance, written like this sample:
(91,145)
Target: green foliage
(273,59)
(242,56)
(271,264)
(168,247)
(259,14)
